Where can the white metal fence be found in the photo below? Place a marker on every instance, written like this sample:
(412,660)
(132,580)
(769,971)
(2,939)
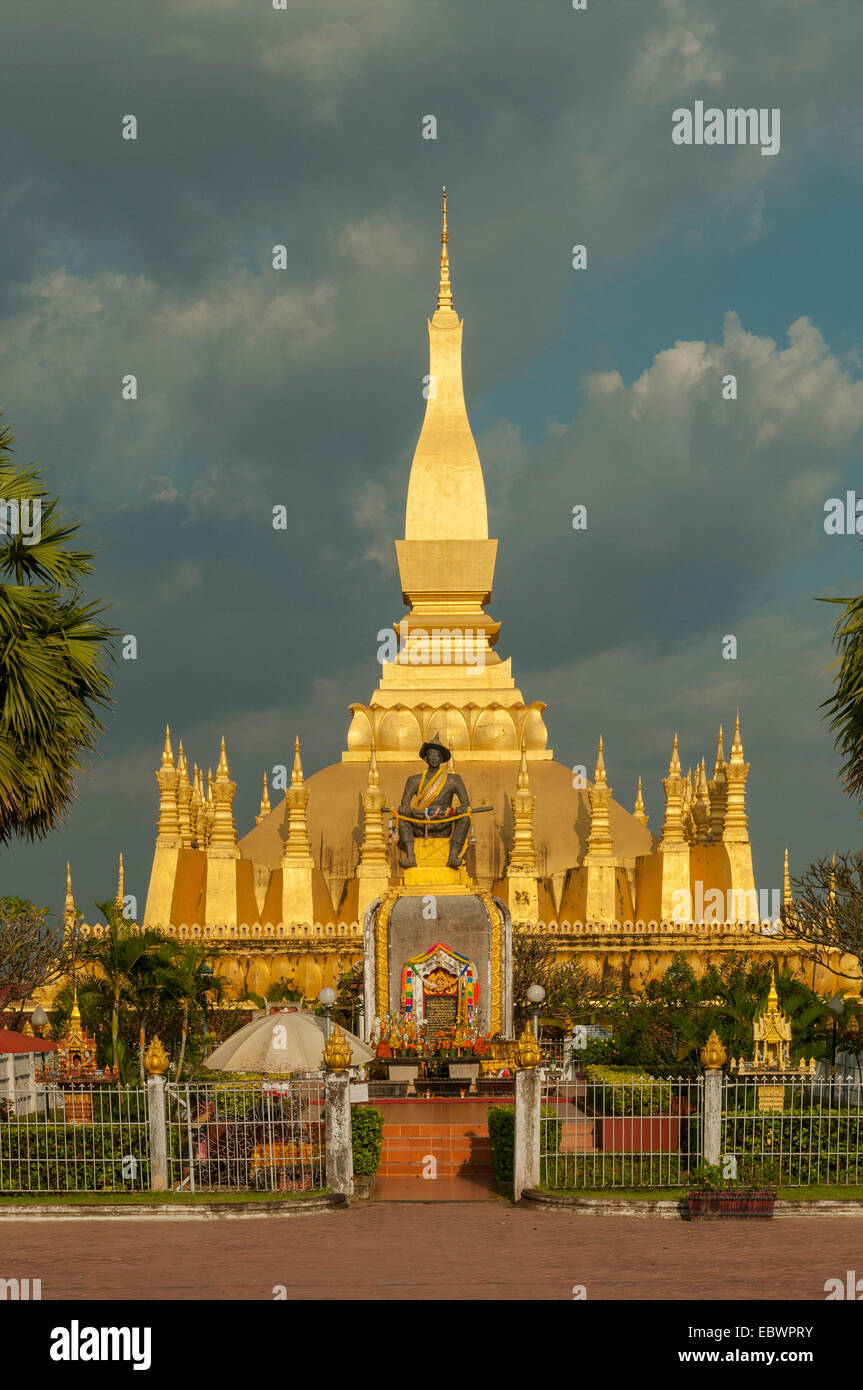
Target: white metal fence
(803,1130)
(246,1136)
(628,1133)
(75,1137)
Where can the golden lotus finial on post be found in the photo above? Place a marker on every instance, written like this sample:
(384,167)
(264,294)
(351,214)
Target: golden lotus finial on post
(155,1059)
(337,1053)
(528,1050)
(713,1054)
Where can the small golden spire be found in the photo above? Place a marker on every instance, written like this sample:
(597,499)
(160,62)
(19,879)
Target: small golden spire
(786,883)
(832,893)
(638,810)
(70,901)
(222,769)
(374,775)
(674,768)
(599,777)
(265,803)
(444,294)
(737,742)
(121,891)
(719,764)
(297,769)
(523,783)
(75,1017)
(773,997)
(167,751)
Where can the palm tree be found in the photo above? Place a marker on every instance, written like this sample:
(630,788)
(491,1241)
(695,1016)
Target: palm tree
(845,706)
(51,649)
(121,954)
(187,977)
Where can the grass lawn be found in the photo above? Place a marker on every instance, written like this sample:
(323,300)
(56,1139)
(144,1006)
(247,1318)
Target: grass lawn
(148,1198)
(674,1194)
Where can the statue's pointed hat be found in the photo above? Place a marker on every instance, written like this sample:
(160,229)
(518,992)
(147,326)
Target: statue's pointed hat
(436,743)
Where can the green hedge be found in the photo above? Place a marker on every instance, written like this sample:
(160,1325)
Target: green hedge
(807,1146)
(501,1133)
(367,1131)
(72,1158)
(626,1092)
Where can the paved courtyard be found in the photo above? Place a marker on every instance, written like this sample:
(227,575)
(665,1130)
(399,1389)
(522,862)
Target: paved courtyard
(441,1250)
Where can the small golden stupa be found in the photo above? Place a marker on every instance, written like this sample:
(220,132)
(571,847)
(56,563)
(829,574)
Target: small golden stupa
(771,1031)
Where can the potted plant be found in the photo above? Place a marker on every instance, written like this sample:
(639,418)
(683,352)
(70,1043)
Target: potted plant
(713,1196)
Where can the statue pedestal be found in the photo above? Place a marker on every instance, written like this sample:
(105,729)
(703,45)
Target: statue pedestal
(431,870)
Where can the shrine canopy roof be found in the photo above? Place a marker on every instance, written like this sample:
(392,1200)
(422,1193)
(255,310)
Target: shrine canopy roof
(19,1042)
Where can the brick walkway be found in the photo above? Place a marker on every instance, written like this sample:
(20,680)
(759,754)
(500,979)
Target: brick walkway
(395,1251)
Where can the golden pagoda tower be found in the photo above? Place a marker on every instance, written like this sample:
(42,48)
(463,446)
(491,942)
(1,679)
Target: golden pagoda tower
(222,848)
(184,798)
(70,914)
(638,809)
(521,872)
(673,848)
(373,871)
(447,676)
(168,841)
(297,861)
(599,860)
(717,791)
(735,835)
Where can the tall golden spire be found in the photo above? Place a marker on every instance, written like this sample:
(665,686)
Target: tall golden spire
(297,861)
(521,871)
(734,829)
(69,912)
(184,798)
(121,888)
(673,786)
(718,790)
(599,840)
(373,872)
(168,779)
(787,898)
(223,837)
(444,294)
(638,810)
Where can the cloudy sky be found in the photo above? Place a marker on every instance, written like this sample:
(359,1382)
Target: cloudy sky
(302,386)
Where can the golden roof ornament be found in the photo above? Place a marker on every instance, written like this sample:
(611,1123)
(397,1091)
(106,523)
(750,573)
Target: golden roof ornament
(528,1050)
(155,1058)
(337,1053)
(444,294)
(713,1054)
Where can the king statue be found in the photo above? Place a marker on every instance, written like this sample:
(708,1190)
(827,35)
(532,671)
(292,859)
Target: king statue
(427,809)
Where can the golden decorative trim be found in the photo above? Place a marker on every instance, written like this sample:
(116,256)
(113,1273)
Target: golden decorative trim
(388,901)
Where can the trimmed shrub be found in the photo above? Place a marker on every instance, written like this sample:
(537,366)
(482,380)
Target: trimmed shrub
(367,1130)
(622,1091)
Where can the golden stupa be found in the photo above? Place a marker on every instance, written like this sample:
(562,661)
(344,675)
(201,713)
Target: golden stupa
(288,899)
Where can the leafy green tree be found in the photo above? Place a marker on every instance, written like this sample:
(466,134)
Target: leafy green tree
(663,1027)
(52,646)
(29,952)
(187,978)
(569,988)
(123,958)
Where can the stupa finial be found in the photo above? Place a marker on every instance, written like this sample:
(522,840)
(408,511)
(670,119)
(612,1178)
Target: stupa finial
(297,769)
(444,294)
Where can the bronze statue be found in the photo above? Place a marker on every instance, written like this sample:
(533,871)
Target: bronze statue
(427,810)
